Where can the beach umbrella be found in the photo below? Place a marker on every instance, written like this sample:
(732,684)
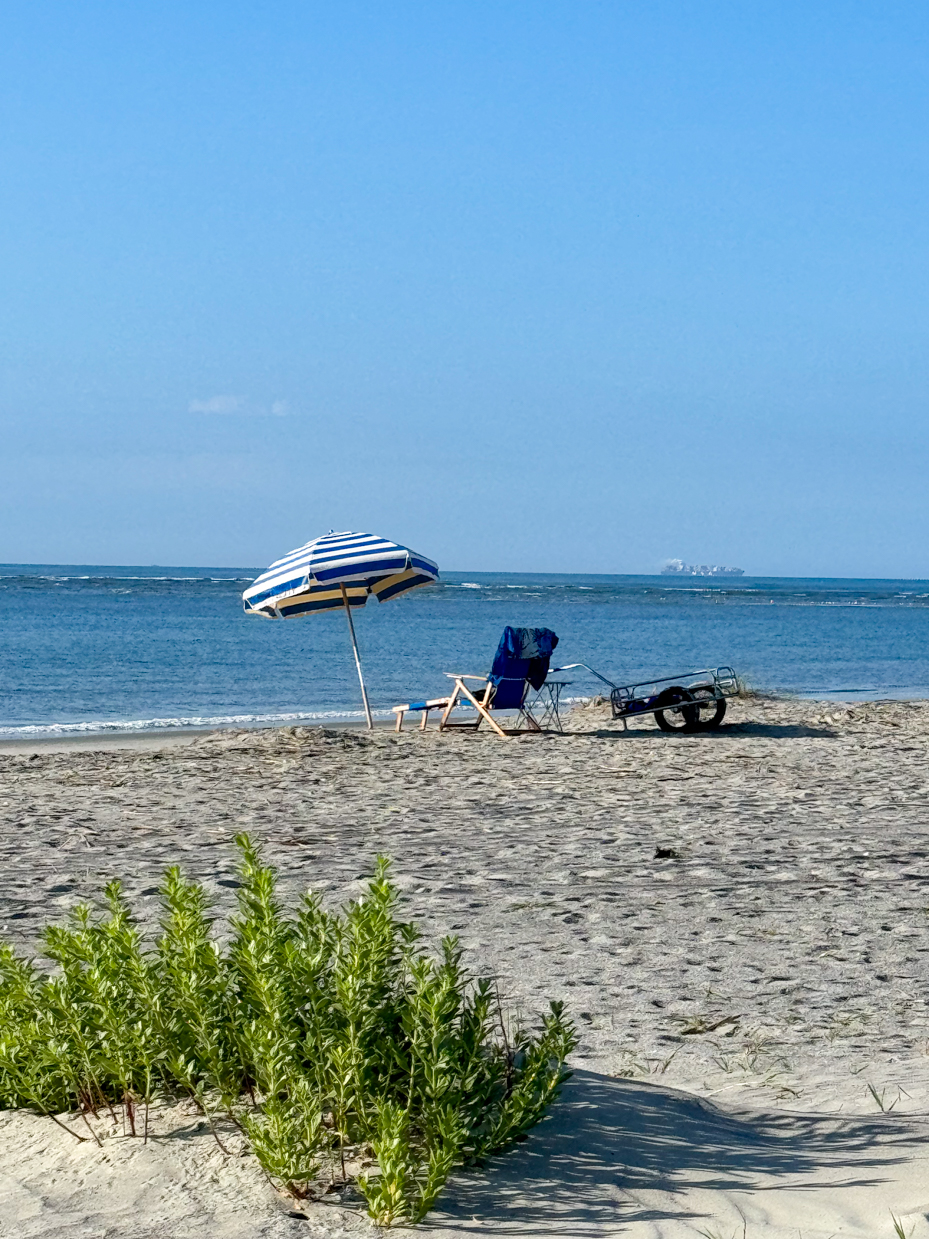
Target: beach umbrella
(334,573)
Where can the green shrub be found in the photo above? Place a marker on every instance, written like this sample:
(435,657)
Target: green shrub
(328,1039)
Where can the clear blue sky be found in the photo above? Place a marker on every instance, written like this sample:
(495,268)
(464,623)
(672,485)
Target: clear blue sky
(528,286)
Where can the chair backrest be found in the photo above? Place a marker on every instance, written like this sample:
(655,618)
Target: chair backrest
(521,659)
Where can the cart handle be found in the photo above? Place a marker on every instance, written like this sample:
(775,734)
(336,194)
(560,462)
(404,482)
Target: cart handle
(568,666)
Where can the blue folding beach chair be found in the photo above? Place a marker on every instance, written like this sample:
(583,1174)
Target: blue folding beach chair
(518,681)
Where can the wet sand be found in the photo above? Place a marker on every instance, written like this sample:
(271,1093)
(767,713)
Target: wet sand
(738,915)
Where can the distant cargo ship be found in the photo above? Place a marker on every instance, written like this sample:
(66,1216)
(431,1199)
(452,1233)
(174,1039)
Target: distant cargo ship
(677,567)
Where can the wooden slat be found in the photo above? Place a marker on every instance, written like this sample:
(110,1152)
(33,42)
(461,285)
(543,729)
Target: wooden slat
(481,710)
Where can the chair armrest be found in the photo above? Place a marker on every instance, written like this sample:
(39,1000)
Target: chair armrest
(456,675)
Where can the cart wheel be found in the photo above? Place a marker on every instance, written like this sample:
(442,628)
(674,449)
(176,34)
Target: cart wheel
(675,716)
(709,709)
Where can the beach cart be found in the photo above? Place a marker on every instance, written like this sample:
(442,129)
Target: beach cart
(695,701)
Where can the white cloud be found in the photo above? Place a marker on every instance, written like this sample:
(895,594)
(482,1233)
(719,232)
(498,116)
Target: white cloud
(236,404)
(216,404)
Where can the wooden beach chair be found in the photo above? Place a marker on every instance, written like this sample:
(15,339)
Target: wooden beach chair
(520,665)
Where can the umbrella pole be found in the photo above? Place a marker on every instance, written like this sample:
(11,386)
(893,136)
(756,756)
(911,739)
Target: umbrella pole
(361,679)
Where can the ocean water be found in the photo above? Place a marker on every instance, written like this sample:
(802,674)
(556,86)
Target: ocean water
(91,649)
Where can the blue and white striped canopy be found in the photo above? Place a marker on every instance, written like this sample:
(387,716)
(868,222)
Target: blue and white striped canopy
(311,577)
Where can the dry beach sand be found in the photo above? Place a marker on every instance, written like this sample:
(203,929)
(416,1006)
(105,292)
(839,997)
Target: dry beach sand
(738,920)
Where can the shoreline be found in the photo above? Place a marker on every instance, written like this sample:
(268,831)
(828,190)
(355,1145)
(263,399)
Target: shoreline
(156,738)
(139,737)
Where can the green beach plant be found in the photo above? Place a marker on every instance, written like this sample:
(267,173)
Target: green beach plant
(344,1051)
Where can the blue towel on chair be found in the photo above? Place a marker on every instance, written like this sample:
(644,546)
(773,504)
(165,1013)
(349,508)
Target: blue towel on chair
(523,654)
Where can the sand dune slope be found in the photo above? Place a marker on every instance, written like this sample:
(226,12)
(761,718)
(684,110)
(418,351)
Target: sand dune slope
(617,1157)
(178,1185)
(639,1160)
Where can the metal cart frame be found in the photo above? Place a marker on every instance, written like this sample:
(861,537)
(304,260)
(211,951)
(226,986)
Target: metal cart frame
(683,695)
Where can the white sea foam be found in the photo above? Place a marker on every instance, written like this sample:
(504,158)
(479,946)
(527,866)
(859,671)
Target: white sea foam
(102,727)
(34,576)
